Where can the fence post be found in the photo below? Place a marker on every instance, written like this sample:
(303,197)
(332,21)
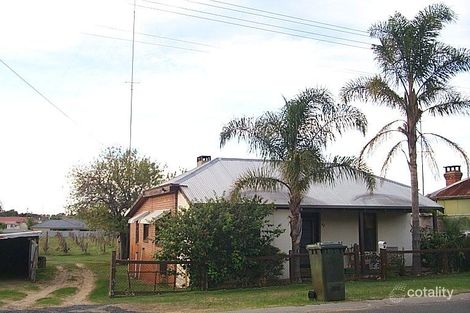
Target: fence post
(290,266)
(383,263)
(112,274)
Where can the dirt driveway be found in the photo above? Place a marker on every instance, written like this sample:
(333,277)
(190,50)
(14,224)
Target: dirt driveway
(77,276)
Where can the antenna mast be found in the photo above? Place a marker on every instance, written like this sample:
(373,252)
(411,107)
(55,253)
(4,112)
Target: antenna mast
(132,78)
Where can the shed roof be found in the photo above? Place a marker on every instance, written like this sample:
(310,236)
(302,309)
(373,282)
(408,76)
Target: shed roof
(457,190)
(62,224)
(24,234)
(216,177)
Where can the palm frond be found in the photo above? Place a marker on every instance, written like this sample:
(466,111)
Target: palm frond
(377,140)
(390,155)
(454,146)
(429,154)
(347,167)
(372,89)
(257,179)
(450,103)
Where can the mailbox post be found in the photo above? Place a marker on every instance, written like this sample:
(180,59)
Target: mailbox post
(327,268)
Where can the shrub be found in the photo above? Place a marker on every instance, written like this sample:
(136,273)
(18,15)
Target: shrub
(223,240)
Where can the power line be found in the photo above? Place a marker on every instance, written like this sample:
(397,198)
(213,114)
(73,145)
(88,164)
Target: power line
(355,32)
(158,36)
(258,23)
(252,27)
(38,92)
(145,42)
(289,16)
(46,99)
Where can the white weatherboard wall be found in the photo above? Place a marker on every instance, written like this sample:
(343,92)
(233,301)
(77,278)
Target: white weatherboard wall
(340,226)
(395,229)
(283,242)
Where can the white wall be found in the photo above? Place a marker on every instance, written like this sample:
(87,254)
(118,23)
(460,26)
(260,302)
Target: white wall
(395,229)
(340,226)
(283,242)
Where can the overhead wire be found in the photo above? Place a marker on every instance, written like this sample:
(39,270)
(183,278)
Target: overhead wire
(337,29)
(49,101)
(158,36)
(251,27)
(288,16)
(145,42)
(256,22)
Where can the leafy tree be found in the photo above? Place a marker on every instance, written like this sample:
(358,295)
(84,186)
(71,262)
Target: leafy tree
(415,70)
(2,227)
(9,213)
(221,238)
(105,189)
(29,222)
(292,143)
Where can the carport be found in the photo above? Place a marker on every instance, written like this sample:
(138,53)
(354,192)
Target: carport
(19,254)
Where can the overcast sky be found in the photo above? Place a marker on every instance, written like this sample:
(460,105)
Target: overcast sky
(182,96)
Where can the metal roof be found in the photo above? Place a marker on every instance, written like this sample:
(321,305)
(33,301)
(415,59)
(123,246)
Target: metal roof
(62,224)
(217,176)
(457,190)
(24,234)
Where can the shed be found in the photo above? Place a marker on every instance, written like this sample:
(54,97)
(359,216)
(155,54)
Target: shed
(19,254)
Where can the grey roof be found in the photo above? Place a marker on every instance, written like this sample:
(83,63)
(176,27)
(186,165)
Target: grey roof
(24,234)
(216,177)
(65,224)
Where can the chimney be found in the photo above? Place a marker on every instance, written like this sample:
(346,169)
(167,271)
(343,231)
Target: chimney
(452,174)
(203,159)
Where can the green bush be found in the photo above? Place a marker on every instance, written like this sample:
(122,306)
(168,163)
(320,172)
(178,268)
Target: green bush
(223,239)
(451,237)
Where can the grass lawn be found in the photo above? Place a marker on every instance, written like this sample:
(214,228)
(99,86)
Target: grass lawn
(290,295)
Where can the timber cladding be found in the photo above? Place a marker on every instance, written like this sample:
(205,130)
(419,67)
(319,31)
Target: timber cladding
(143,247)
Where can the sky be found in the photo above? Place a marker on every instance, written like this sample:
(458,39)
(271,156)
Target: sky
(192,76)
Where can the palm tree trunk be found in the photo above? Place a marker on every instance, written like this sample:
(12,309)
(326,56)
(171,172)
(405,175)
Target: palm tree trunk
(295,235)
(415,227)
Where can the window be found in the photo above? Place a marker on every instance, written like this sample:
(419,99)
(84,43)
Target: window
(136,232)
(368,231)
(146,232)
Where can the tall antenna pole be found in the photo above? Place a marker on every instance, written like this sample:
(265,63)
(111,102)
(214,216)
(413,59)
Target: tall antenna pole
(132,79)
(422,157)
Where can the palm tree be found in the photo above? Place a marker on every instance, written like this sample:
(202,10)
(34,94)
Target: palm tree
(292,142)
(415,70)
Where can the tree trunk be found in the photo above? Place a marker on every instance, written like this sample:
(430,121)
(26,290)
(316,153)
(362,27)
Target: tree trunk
(415,227)
(295,235)
(124,245)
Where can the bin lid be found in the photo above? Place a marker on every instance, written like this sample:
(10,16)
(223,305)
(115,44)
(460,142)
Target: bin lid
(326,245)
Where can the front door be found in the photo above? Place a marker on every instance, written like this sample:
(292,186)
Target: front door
(310,234)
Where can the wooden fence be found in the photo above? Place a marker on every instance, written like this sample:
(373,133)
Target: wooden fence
(130,277)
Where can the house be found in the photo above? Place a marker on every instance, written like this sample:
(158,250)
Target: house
(61,225)
(455,196)
(346,212)
(14,223)
(19,254)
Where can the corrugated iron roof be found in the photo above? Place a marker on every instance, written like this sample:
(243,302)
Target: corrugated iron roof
(24,234)
(458,190)
(216,177)
(62,224)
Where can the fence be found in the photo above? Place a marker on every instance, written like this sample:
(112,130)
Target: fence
(131,277)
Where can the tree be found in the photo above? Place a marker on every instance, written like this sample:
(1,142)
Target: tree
(2,227)
(415,70)
(105,189)
(292,143)
(223,239)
